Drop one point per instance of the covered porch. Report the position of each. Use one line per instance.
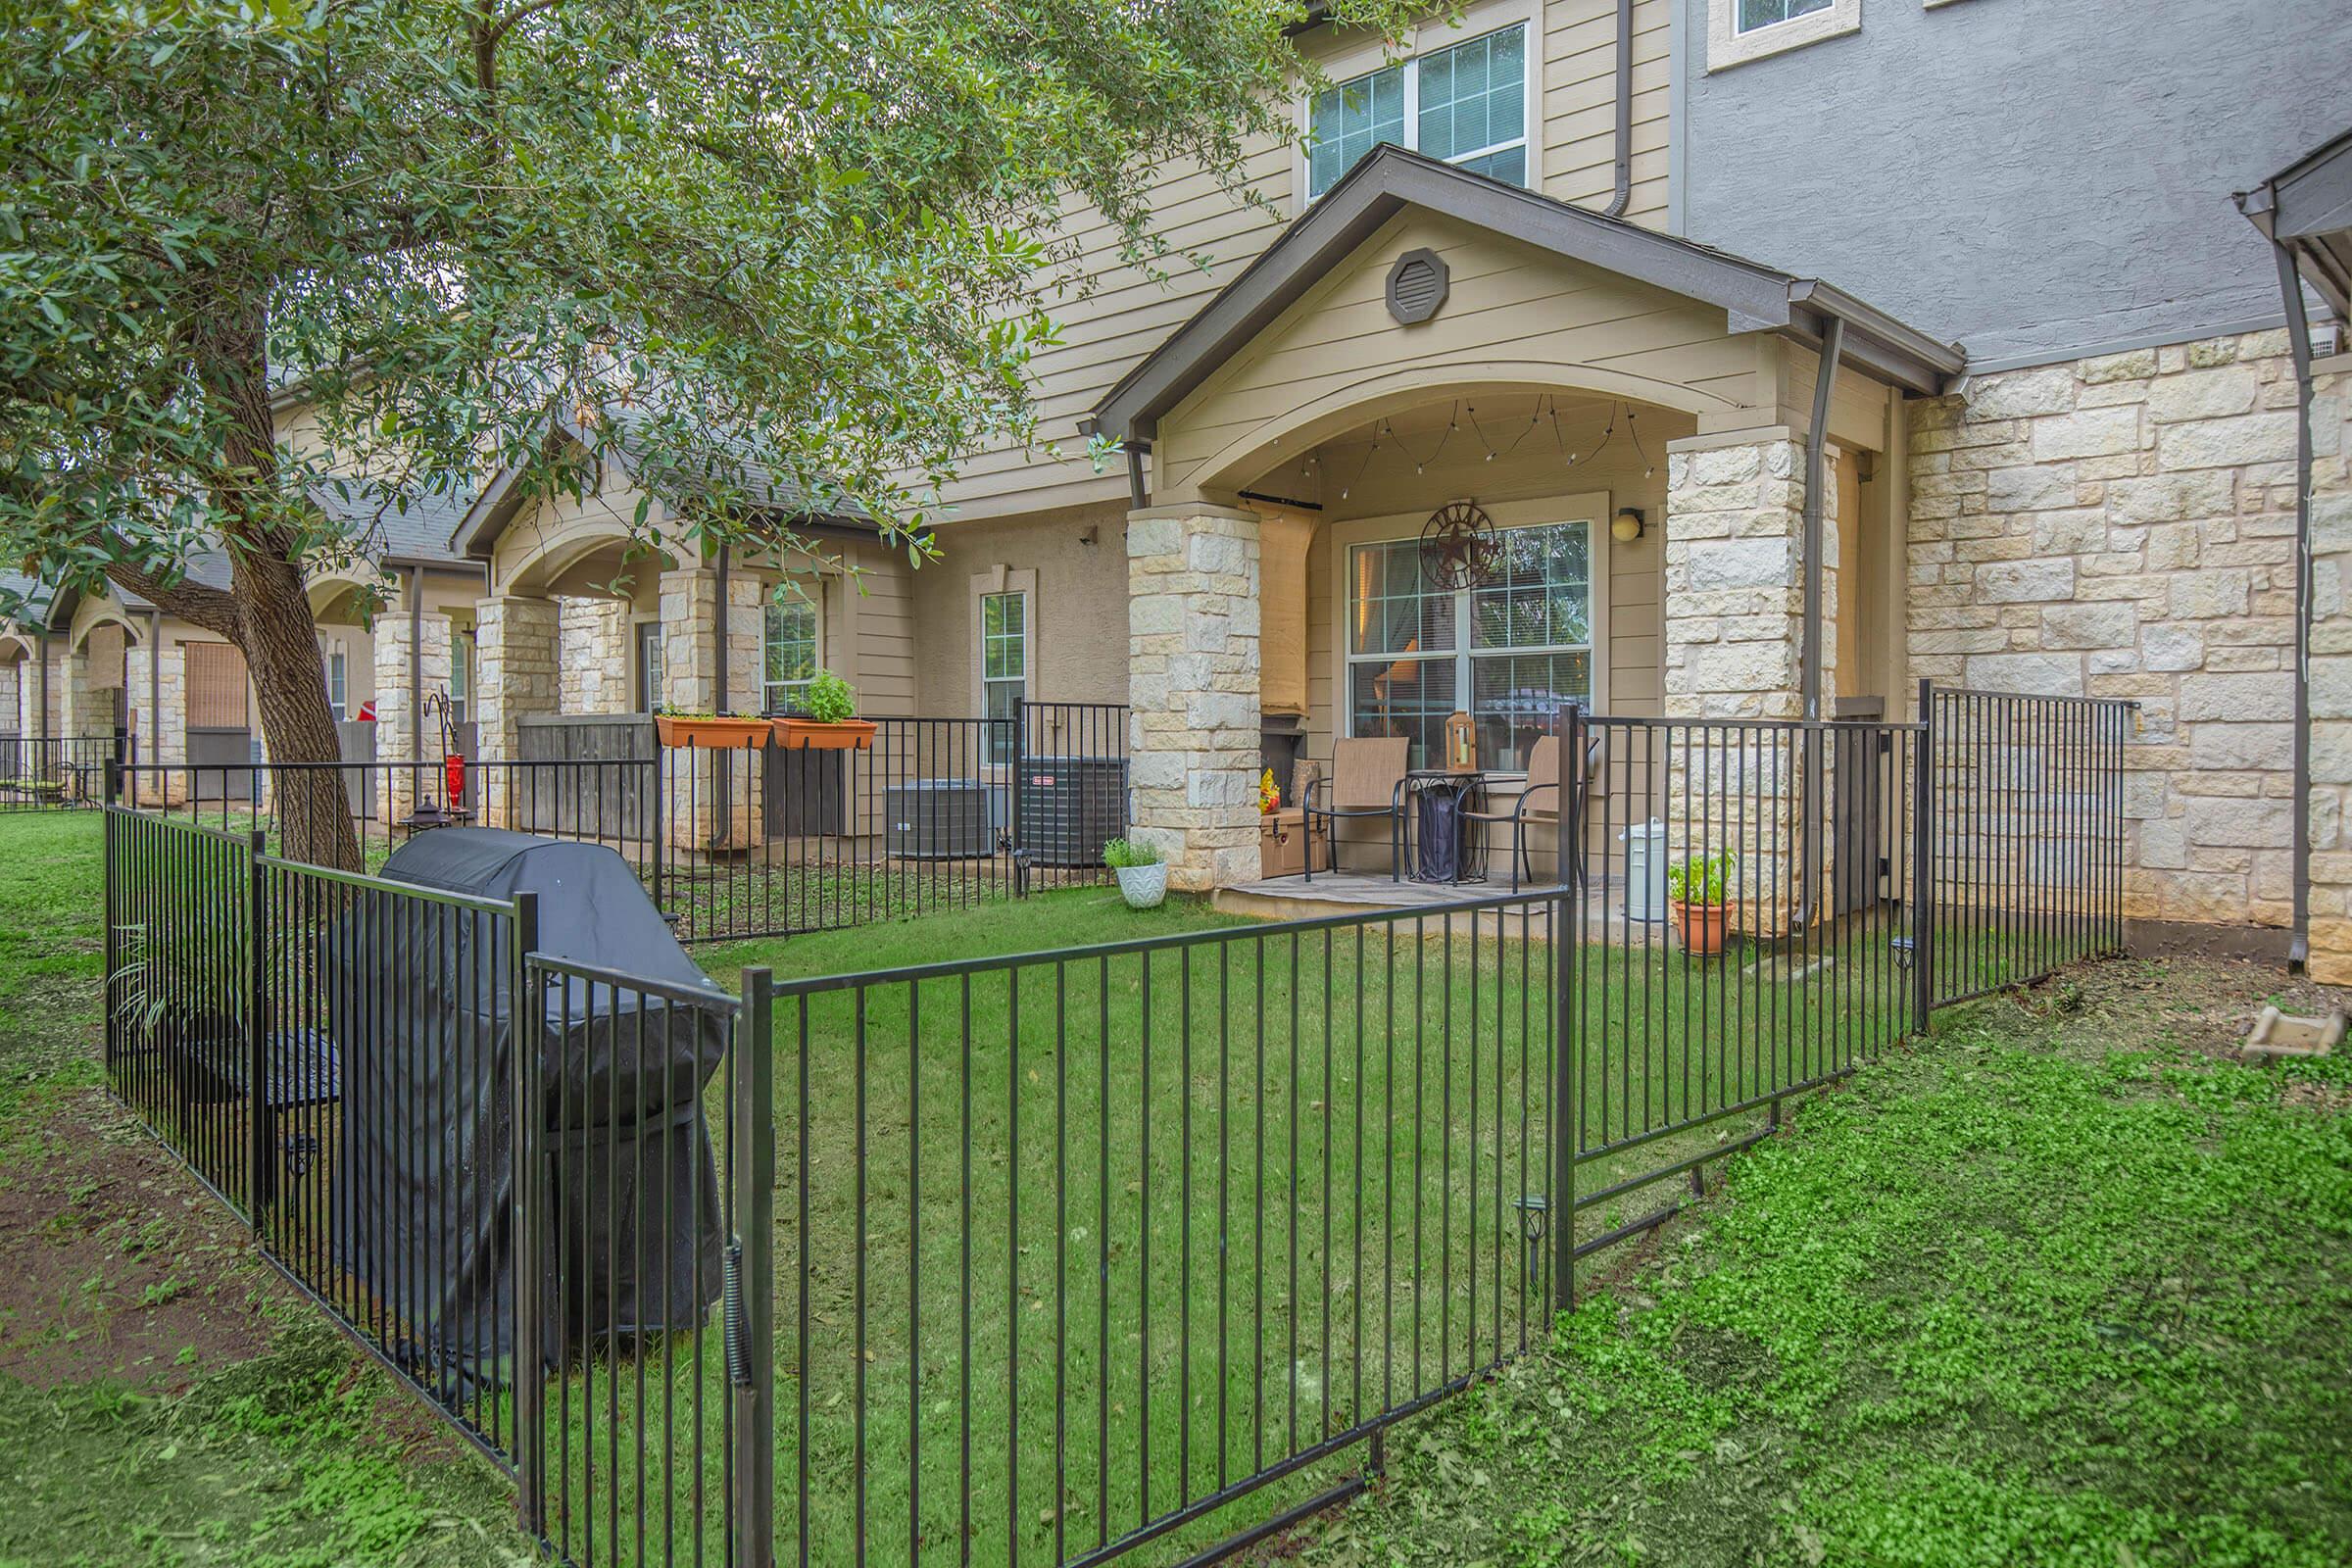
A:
(1450, 447)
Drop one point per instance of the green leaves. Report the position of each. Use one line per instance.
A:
(776, 251)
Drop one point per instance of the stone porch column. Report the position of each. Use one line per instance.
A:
(2331, 915)
(1193, 583)
(514, 676)
(594, 635)
(169, 726)
(396, 704)
(1734, 645)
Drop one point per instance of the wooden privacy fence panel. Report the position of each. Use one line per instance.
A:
(217, 686)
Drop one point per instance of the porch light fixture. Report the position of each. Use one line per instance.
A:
(1627, 525)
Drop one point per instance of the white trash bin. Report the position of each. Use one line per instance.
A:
(1644, 872)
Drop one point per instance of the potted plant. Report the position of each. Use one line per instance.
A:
(830, 722)
(1696, 896)
(1143, 875)
(714, 732)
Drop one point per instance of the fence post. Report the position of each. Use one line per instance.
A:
(1567, 927)
(530, 1242)
(752, 1067)
(659, 826)
(1923, 863)
(257, 1045)
(1020, 769)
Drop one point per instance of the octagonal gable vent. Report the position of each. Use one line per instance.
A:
(1417, 287)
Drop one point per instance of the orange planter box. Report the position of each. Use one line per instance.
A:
(711, 734)
(819, 735)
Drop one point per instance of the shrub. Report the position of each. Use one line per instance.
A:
(829, 699)
(1701, 881)
(1121, 853)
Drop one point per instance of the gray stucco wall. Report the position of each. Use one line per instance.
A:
(2034, 179)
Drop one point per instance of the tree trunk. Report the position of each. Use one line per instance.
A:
(280, 643)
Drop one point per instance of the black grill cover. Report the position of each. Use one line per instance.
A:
(421, 1006)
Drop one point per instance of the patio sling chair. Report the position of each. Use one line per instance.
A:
(1540, 802)
(1367, 780)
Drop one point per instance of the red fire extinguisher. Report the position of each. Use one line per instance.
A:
(453, 777)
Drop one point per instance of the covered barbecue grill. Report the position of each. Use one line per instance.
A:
(425, 1013)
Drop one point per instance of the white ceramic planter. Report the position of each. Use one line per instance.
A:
(1144, 887)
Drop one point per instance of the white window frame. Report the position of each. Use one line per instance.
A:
(1001, 580)
(335, 665)
(1728, 46)
(813, 600)
(460, 674)
(1432, 38)
(1592, 510)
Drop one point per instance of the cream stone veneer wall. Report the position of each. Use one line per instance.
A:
(2123, 526)
(592, 643)
(2330, 804)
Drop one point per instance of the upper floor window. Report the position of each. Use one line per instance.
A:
(1755, 13)
(1465, 103)
(1741, 30)
(791, 654)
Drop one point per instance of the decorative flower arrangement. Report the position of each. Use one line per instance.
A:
(1269, 795)
(830, 722)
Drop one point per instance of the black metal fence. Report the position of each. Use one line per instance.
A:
(2025, 830)
(1083, 1250)
(1768, 905)
(49, 772)
(936, 814)
(1049, 1258)
(334, 1056)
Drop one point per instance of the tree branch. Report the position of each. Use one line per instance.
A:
(195, 603)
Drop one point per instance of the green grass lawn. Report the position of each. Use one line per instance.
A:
(2062, 1286)
(1088, 1236)
(1140, 1226)
(164, 1398)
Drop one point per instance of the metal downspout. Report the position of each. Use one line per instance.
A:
(155, 698)
(718, 637)
(1825, 379)
(2298, 336)
(1622, 194)
(416, 665)
(1832, 349)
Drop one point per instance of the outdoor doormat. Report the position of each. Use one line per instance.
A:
(2275, 1036)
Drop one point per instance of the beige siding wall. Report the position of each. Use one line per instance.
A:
(1514, 316)
(1078, 636)
(1106, 332)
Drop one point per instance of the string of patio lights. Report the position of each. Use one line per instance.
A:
(1546, 408)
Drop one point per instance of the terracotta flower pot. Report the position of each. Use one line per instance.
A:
(1700, 926)
(825, 735)
(711, 734)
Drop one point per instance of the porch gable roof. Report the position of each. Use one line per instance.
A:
(1754, 297)
(2308, 209)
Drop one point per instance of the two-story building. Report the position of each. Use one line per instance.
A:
(1580, 264)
